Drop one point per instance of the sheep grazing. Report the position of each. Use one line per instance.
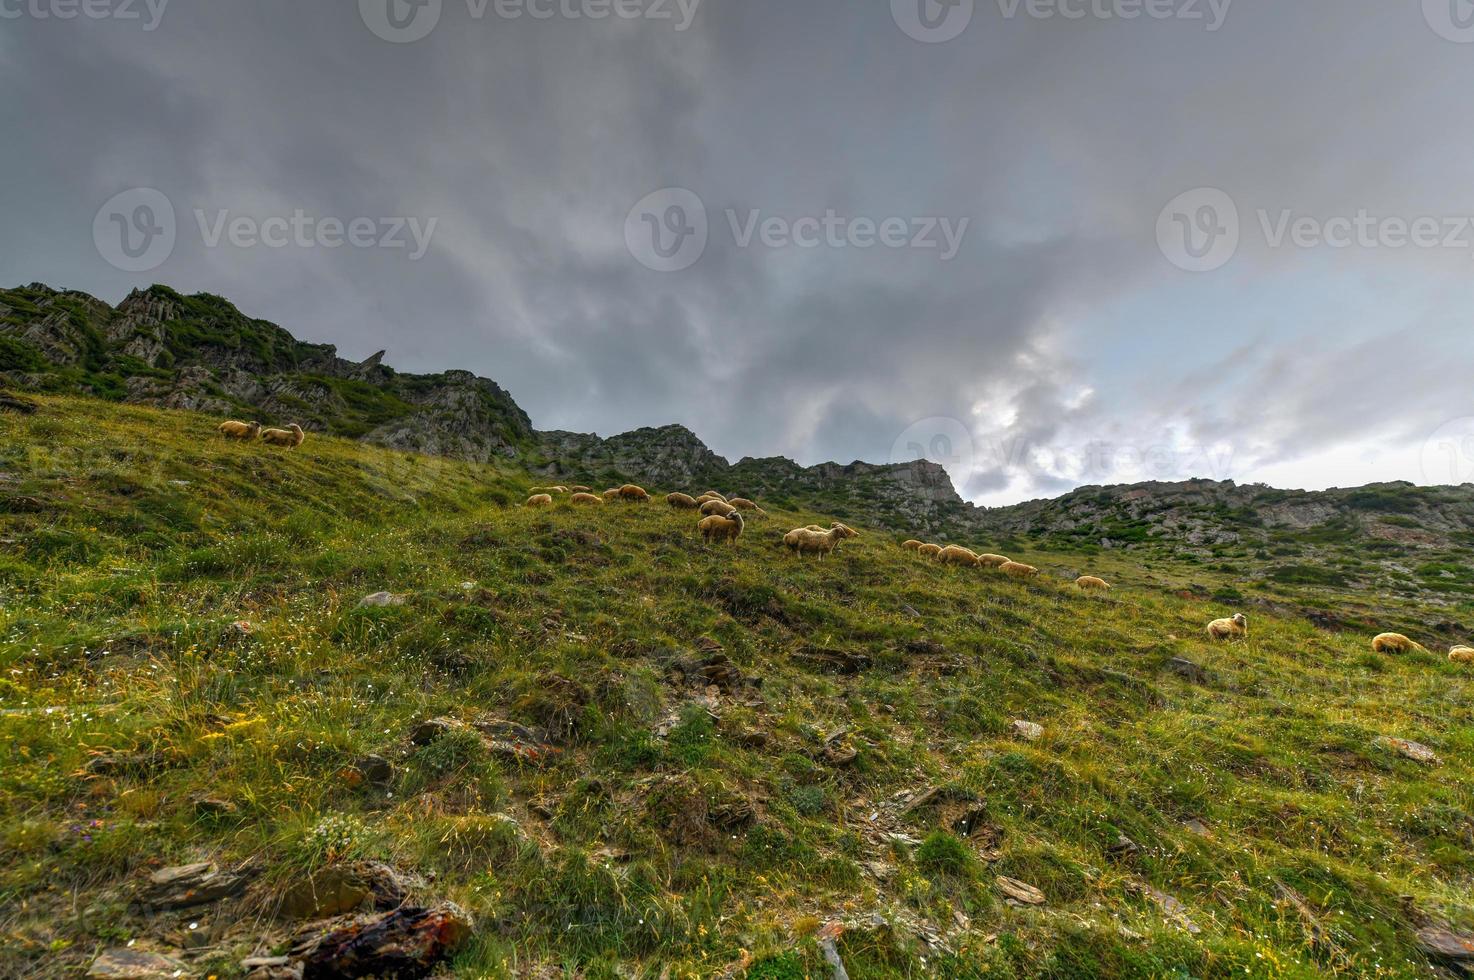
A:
(242, 431)
(291, 437)
(1228, 629)
(957, 555)
(1461, 655)
(722, 528)
(742, 503)
(539, 500)
(804, 540)
(582, 489)
(1018, 570)
(911, 545)
(716, 508)
(1091, 583)
(1395, 643)
(681, 501)
(994, 561)
(586, 498)
(718, 496)
(633, 494)
(611, 494)
(929, 550)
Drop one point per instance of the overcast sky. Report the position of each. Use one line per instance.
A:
(1048, 243)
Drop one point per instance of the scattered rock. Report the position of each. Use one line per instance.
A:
(1173, 909)
(214, 806)
(910, 610)
(1193, 673)
(133, 964)
(372, 769)
(1028, 730)
(1195, 826)
(192, 884)
(271, 968)
(1416, 751)
(1020, 891)
(518, 743)
(1123, 848)
(828, 945)
(380, 600)
(428, 731)
(1442, 943)
(124, 764)
(839, 661)
(347, 887)
(407, 942)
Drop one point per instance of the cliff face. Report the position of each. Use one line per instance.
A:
(200, 353)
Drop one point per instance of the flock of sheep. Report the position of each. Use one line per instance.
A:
(723, 520)
(291, 437)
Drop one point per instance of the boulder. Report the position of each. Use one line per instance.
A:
(405, 942)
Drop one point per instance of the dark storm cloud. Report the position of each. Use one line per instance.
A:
(1057, 327)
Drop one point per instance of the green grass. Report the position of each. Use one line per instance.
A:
(662, 837)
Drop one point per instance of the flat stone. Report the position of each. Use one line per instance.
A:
(187, 885)
(134, 964)
(1188, 670)
(1446, 944)
(1020, 891)
(1027, 730)
(1416, 751)
(379, 600)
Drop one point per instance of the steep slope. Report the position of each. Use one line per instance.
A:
(656, 758)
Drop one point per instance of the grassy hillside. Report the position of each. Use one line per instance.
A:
(186, 674)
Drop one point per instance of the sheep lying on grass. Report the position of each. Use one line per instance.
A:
(1018, 569)
(1395, 643)
(994, 561)
(681, 501)
(242, 431)
(586, 498)
(1228, 629)
(805, 540)
(911, 545)
(717, 508)
(633, 494)
(539, 500)
(721, 528)
(1461, 655)
(957, 555)
(291, 437)
(1090, 582)
(929, 550)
